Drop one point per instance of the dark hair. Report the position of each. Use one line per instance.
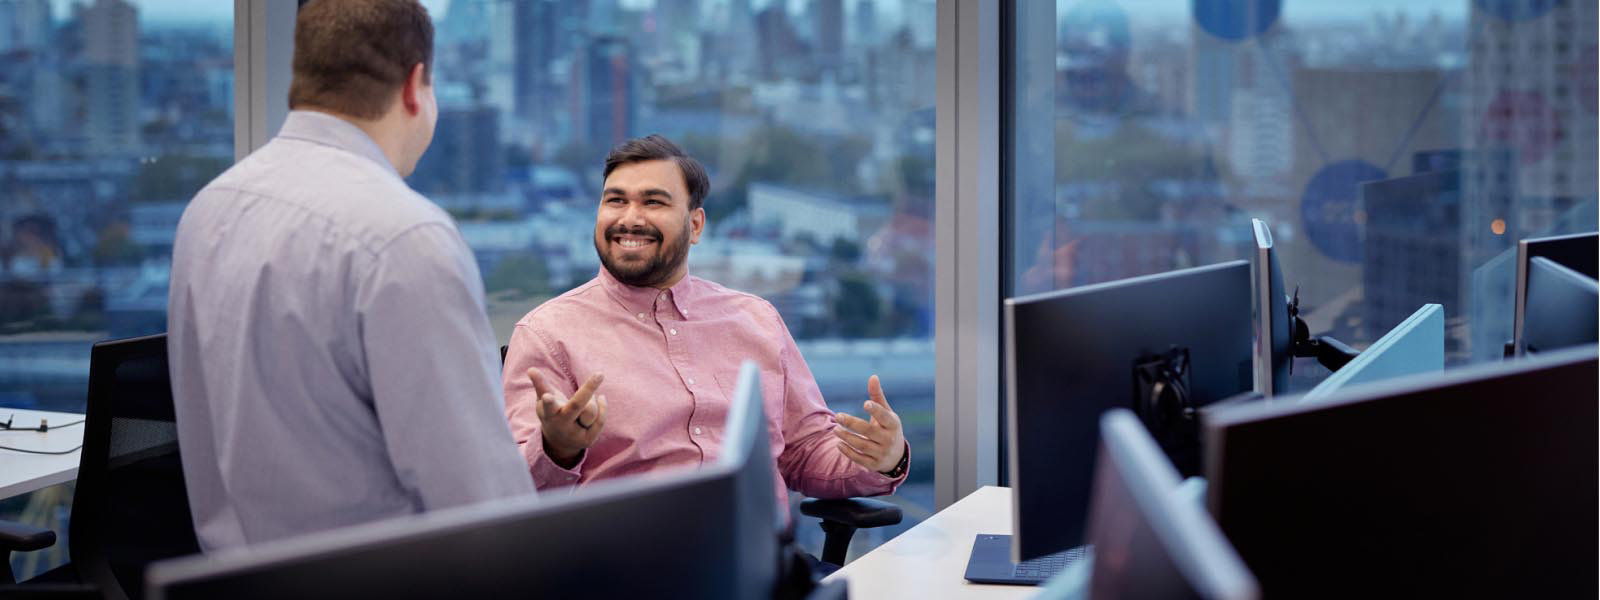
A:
(657, 147)
(351, 56)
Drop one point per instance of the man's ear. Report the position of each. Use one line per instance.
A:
(697, 223)
(411, 92)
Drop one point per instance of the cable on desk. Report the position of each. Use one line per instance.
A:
(4, 427)
(45, 452)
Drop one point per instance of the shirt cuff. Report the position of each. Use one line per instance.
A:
(546, 473)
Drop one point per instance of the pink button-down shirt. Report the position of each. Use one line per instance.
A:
(670, 358)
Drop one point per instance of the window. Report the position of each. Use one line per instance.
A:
(814, 119)
(1397, 149)
(112, 115)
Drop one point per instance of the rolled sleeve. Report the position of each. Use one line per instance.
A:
(811, 463)
(528, 350)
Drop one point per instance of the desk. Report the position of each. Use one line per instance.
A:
(927, 561)
(22, 473)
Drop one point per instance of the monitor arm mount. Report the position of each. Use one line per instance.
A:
(1332, 353)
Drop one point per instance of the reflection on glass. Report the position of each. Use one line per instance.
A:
(112, 115)
(1398, 149)
(815, 121)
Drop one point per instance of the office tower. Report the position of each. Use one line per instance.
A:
(1261, 119)
(830, 32)
(605, 91)
(1213, 63)
(466, 156)
(866, 23)
(111, 73)
(534, 40)
(1530, 89)
(24, 24)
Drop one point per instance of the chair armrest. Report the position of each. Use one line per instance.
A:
(861, 513)
(17, 537)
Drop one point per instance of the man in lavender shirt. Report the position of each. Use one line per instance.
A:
(330, 357)
(667, 347)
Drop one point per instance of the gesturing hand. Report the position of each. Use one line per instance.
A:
(568, 425)
(877, 444)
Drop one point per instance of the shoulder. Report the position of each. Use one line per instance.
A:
(758, 309)
(355, 196)
(576, 305)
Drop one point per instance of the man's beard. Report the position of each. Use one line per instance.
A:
(648, 273)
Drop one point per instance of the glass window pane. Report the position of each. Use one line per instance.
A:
(814, 119)
(1398, 149)
(112, 115)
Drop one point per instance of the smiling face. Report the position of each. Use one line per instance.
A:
(644, 226)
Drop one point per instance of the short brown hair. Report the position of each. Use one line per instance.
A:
(351, 56)
(657, 147)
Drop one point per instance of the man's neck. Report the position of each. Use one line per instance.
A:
(388, 137)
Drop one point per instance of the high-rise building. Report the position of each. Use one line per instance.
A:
(1530, 90)
(111, 75)
(466, 156)
(24, 24)
(535, 37)
(605, 91)
(830, 32)
(866, 23)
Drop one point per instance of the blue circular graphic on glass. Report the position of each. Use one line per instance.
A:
(1328, 208)
(1517, 10)
(1236, 20)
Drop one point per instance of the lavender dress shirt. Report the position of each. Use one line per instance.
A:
(331, 360)
(670, 358)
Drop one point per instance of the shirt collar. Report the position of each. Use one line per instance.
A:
(645, 299)
(328, 130)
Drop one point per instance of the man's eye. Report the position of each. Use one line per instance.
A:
(615, 200)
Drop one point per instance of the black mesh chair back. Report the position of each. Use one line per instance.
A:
(130, 507)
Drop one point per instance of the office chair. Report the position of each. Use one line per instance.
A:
(130, 507)
(840, 518)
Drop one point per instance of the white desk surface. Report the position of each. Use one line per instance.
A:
(22, 473)
(928, 561)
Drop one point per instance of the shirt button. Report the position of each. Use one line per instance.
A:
(672, 331)
(697, 431)
(691, 381)
(641, 316)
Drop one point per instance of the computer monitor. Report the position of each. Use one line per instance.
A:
(1413, 347)
(1269, 309)
(1577, 252)
(1478, 482)
(1076, 353)
(1149, 541)
(707, 533)
(1561, 307)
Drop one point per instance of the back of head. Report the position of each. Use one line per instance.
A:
(352, 56)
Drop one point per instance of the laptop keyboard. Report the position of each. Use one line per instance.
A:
(1047, 566)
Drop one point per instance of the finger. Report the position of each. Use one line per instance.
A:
(853, 423)
(883, 416)
(599, 420)
(589, 414)
(856, 456)
(580, 398)
(540, 388)
(549, 404)
(875, 391)
(856, 441)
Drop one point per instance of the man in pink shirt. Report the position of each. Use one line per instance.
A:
(667, 347)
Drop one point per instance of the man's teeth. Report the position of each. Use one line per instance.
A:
(632, 243)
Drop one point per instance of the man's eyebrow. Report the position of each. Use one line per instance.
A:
(647, 192)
